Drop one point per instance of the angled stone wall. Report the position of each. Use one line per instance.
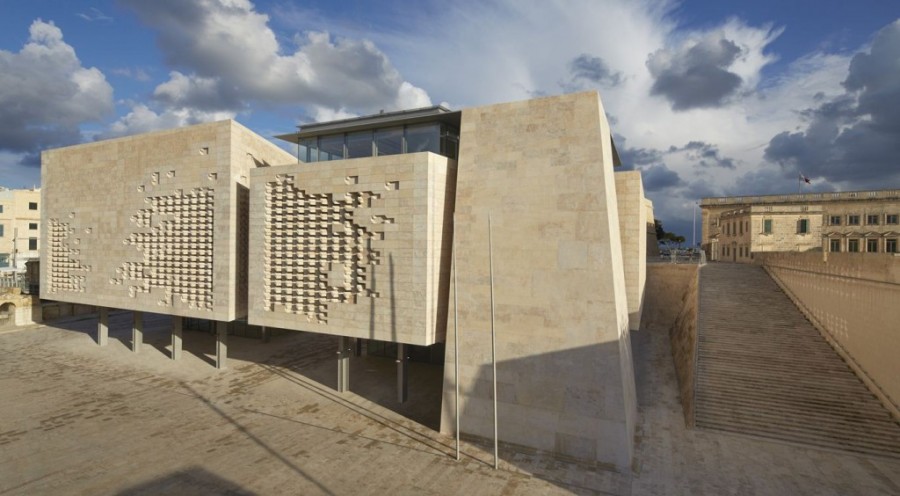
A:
(354, 248)
(543, 169)
(633, 230)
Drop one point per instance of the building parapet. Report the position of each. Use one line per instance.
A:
(802, 197)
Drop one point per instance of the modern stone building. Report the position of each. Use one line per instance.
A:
(857, 221)
(517, 203)
(156, 222)
(20, 217)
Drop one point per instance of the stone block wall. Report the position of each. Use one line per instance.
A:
(356, 248)
(150, 222)
(543, 170)
(852, 298)
(633, 231)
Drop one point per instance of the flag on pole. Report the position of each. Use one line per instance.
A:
(804, 178)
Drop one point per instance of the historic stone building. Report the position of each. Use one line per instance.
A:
(506, 220)
(857, 221)
(20, 217)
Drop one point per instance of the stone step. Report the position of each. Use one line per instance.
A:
(764, 370)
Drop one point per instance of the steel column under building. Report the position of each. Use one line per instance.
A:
(103, 326)
(137, 331)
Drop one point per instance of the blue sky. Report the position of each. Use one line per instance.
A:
(705, 97)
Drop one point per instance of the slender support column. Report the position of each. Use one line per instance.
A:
(493, 341)
(265, 334)
(103, 326)
(343, 364)
(176, 337)
(137, 331)
(221, 345)
(402, 375)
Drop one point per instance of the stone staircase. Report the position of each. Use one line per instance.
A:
(764, 370)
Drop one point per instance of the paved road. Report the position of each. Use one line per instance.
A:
(79, 419)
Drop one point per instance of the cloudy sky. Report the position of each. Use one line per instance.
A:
(705, 97)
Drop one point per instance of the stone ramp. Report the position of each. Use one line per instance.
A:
(764, 370)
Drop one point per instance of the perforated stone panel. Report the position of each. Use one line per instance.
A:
(152, 222)
(355, 247)
(175, 237)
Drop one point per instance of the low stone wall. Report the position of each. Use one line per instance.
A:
(672, 304)
(664, 293)
(852, 298)
(17, 309)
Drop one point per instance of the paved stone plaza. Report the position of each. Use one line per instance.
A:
(76, 418)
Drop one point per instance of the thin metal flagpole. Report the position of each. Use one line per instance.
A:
(493, 340)
(456, 332)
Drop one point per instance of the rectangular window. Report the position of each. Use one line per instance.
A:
(888, 219)
(389, 141)
(852, 220)
(890, 245)
(872, 245)
(331, 148)
(308, 150)
(1, 209)
(835, 220)
(1, 230)
(4, 259)
(835, 245)
(767, 226)
(872, 219)
(32, 226)
(423, 138)
(32, 205)
(741, 227)
(359, 144)
(32, 244)
(803, 226)
(853, 245)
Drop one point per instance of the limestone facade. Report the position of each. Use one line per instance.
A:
(20, 217)
(542, 171)
(213, 222)
(633, 211)
(155, 222)
(357, 247)
(733, 228)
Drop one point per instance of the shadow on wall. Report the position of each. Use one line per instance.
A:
(192, 480)
(569, 403)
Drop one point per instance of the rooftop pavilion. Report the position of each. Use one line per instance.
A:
(429, 129)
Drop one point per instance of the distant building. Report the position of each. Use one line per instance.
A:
(734, 228)
(20, 217)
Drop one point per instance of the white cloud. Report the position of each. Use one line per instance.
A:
(142, 119)
(484, 52)
(225, 56)
(46, 94)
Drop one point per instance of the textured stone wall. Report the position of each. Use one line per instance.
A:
(633, 231)
(354, 247)
(543, 169)
(852, 298)
(150, 222)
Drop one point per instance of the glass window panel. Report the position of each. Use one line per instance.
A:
(423, 138)
(309, 150)
(389, 141)
(331, 148)
(449, 142)
(359, 144)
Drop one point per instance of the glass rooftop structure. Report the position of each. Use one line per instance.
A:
(429, 129)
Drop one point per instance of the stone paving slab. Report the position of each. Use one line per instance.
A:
(76, 418)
